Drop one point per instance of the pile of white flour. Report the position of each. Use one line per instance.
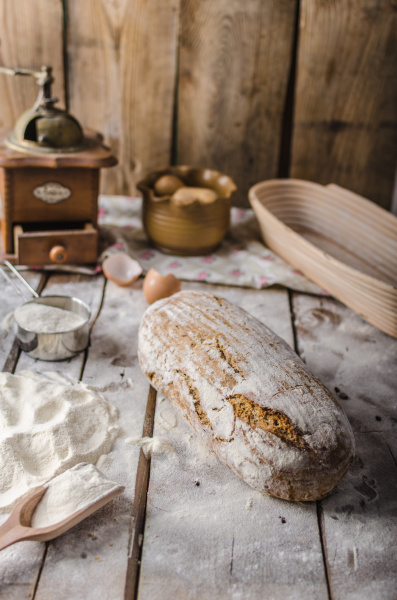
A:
(42, 318)
(73, 490)
(47, 427)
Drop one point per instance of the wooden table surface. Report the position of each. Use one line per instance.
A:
(186, 526)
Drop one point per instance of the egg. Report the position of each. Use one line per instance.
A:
(187, 195)
(121, 268)
(166, 185)
(156, 286)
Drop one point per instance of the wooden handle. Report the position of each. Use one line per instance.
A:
(58, 254)
(17, 527)
(11, 532)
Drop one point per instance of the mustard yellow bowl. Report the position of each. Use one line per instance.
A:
(187, 230)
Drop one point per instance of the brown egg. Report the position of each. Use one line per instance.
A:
(166, 185)
(156, 286)
(187, 195)
(121, 268)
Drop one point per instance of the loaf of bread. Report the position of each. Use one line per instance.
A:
(247, 394)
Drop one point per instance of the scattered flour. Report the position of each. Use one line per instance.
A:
(249, 504)
(73, 490)
(7, 322)
(46, 427)
(152, 445)
(42, 318)
(168, 418)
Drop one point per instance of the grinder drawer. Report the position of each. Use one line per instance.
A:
(65, 246)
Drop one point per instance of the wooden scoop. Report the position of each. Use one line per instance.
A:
(17, 527)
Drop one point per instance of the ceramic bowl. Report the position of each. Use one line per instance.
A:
(190, 230)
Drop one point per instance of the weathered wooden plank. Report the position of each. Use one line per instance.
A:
(15, 351)
(9, 300)
(208, 534)
(140, 501)
(360, 525)
(30, 36)
(346, 94)
(20, 565)
(358, 363)
(234, 67)
(121, 72)
(90, 561)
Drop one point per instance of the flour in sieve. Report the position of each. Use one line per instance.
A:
(73, 490)
(47, 427)
(42, 318)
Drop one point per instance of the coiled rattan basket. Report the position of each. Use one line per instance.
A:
(341, 241)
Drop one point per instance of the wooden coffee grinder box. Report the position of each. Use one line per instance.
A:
(49, 183)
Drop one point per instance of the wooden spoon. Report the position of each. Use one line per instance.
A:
(17, 527)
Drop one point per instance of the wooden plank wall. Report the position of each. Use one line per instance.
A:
(121, 61)
(257, 89)
(235, 59)
(346, 96)
(30, 36)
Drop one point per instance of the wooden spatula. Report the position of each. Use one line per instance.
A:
(17, 527)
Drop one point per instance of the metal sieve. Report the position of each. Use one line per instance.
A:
(50, 346)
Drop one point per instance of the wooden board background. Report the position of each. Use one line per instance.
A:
(219, 539)
(346, 96)
(255, 89)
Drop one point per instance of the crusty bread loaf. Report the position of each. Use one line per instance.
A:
(248, 395)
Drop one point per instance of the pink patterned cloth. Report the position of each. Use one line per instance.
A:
(242, 259)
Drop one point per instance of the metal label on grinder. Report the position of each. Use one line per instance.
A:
(52, 192)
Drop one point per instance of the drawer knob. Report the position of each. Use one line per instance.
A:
(58, 254)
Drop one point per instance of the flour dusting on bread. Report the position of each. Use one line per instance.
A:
(247, 394)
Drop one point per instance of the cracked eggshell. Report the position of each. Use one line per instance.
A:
(156, 286)
(121, 269)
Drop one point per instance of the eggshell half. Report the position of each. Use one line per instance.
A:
(156, 286)
(121, 268)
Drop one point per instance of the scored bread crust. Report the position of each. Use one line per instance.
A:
(247, 394)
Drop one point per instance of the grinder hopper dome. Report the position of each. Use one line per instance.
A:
(44, 128)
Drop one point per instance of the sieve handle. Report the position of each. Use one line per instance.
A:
(22, 279)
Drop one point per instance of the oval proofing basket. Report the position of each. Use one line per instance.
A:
(341, 241)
